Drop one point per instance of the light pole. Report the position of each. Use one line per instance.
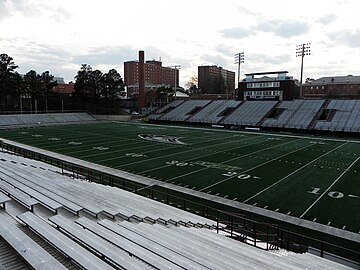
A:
(301, 51)
(176, 68)
(239, 59)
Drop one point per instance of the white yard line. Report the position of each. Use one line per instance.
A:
(325, 192)
(257, 166)
(302, 167)
(186, 151)
(195, 158)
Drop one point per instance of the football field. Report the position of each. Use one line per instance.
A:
(313, 178)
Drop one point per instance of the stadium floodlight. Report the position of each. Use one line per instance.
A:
(175, 67)
(301, 51)
(239, 59)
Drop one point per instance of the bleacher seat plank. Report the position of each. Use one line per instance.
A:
(74, 251)
(42, 199)
(29, 250)
(155, 246)
(121, 259)
(18, 195)
(152, 258)
(4, 198)
(32, 180)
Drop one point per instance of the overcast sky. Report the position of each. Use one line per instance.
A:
(60, 35)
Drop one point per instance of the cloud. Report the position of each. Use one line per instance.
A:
(327, 19)
(106, 55)
(235, 32)
(214, 60)
(226, 50)
(265, 59)
(26, 8)
(284, 28)
(349, 38)
(33, 9)
(4, 12)
(61, 15)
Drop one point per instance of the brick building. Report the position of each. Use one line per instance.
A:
(333, 87)
(216, 80)
(155, 74)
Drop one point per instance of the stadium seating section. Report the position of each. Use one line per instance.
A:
(302, 114)
(44, 119)
(64, 230)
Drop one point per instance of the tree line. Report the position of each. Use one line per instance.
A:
(35, 91)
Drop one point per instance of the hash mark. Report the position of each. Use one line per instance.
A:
(329, 223)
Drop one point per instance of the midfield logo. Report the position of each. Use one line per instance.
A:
(160, 138)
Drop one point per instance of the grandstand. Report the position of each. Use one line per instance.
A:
(44, 119)
(94, 227)
(307, 115)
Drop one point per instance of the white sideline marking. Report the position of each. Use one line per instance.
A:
(252, 133)
(325, 192)
(282, 179)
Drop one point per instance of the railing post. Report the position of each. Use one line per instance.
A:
(288, 241)
(254, 234)
(267, 236)
(322, 249)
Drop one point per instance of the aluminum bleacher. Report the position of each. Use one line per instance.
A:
(18, 195)
(101, 242)
(73, 251)
(250, 113)
(44, 119)
(41, 184)
(143, 250)
(3, 199)
(212, 112)
(158, 113)
(345, 116)
(184, 110)
(31, 252)
(117, 257)
(295, 114)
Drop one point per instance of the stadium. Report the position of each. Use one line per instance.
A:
(198, 184)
